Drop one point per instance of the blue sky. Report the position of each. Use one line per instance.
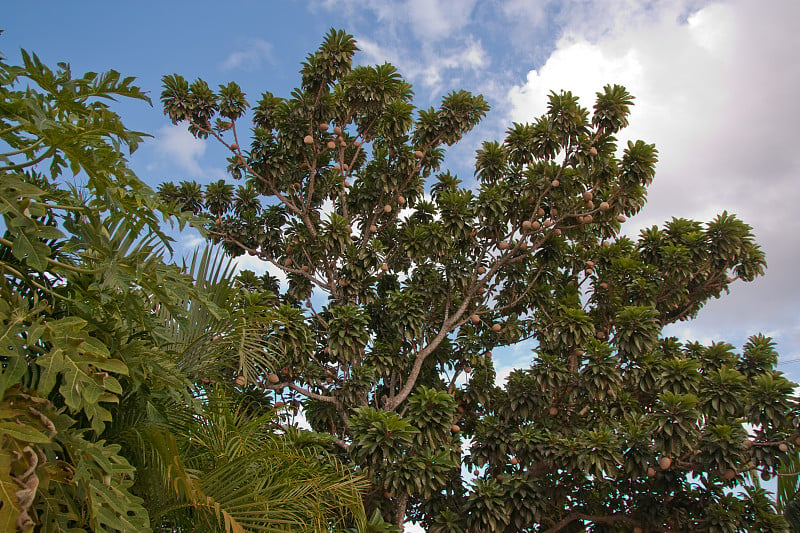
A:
(716, 83)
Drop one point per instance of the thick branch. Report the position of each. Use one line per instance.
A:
(597, 519)
(393, 402)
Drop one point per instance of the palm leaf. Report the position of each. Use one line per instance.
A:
(788, 481)
(213, 336)
(264, 481)
(227, 469)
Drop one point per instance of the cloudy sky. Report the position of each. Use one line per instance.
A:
(717, 87)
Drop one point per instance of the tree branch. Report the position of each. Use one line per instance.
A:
(305, 392)
(597, 519)
(392, 402)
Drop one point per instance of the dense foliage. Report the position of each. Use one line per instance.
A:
(137, 395)
(118, 407)
(401, 281)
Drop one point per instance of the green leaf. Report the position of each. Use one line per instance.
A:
(30, 249)
(23, 433)
(81, 363)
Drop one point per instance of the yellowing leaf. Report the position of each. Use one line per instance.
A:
(8, 488)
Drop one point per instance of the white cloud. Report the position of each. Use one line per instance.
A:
(532, 14)
(250, 56)
(713, 29)
(716, 91)
(298, 418)
(375, 53)
(428, 65)
(531, 27)
(580, 67)
(508, 359)
(175, 143)
(688, 332)
(190, 239)
(712, 93)
(436, 19)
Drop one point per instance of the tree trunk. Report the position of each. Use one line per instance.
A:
(400, 511)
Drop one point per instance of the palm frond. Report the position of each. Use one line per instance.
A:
(214, 335)
(788, 484)
(282, 486)
(227, 468)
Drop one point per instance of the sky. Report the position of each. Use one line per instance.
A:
(717, 87)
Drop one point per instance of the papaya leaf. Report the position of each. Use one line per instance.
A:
(30, 249)
(84, 364)
(10, 509)
(23, 432)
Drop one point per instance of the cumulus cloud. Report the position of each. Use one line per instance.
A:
(715, 87)
(579, 67)
(250, 56)
(712, 92)
(471, 56)
(175, 144)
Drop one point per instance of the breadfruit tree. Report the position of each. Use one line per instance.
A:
(401, 281)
